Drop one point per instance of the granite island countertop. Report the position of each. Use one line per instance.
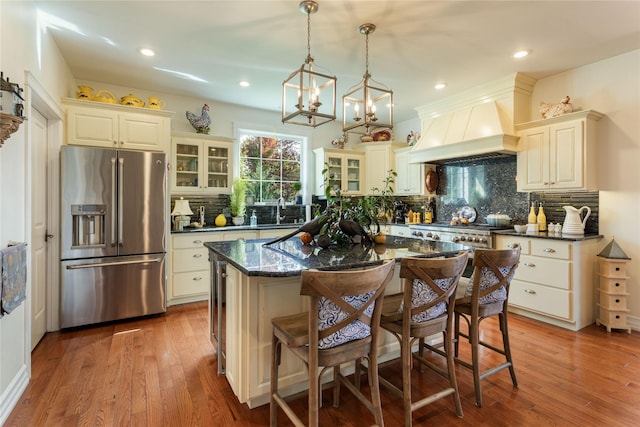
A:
(290, 257)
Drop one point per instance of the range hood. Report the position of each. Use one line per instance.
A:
(478, 124)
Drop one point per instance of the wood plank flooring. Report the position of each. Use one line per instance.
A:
(161, 371)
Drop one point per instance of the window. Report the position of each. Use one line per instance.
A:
(271, 165)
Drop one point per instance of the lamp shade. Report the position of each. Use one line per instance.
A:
(181, 207)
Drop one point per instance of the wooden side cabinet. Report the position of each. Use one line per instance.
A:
(612, 306)
(554, 282)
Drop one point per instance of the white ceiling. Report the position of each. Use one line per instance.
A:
(416, 44)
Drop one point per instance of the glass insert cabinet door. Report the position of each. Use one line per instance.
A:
(200, 165)
(335, 172)
(353, 175)
(186, 165)
(217, 167)
(345, 173)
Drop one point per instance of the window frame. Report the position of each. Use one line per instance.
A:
(244, 129)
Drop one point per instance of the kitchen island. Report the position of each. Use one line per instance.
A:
(262, 282)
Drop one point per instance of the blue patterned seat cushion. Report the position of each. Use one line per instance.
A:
(423, 294)
(487, 279)
(329, 314)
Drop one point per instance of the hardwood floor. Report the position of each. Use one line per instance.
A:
(161, 371)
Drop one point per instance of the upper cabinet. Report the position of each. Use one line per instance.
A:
(345, 170)
(105, 125)
(379, 158)
(558, 154)
(200, 163)
(409, 180)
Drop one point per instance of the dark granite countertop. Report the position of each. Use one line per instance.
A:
(290, 257)
(209, 228)
(547, 235)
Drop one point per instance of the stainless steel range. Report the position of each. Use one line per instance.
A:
(476, 235)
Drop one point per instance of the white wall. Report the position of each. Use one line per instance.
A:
(18, 53)
(611, 87)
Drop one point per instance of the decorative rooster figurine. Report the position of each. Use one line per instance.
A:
(200, 123)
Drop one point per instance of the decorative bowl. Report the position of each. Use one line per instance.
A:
(520, 228)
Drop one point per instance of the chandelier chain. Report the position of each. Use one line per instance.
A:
(366, 50)
(308, 34)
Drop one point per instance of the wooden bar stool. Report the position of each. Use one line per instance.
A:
(424, 308)
(342, 325)
(486, 296)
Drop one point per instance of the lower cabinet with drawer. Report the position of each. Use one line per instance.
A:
(555, 281)
(190, 270)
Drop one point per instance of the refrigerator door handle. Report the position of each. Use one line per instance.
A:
(113, 201)
(110, 264)
(120, 207)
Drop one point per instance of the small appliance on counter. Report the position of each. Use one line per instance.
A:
(399, 212)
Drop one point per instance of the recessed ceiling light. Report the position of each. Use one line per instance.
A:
(146, 51)
(440, 86)
(521, 54)
(244, 83)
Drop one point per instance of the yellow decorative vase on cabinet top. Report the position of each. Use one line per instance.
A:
(221, 221)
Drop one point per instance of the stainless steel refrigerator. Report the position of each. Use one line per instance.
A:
(113, 234)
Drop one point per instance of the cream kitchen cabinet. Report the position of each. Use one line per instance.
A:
(380, 158)
(555, 280)
(116, 126)
(558, 154)
(410, 178)
(200, 163)
(190, 270)
(346, 170)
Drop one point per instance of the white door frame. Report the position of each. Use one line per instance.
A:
(37, 97)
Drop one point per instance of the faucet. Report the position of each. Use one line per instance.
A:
(279, 203)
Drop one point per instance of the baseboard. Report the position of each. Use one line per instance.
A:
(634, 322)
(12, 394)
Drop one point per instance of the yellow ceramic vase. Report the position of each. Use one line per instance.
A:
(221, 221)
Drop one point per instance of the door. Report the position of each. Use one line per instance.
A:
(88, 202)
(39, 215)
(141, 202)
(105, 289)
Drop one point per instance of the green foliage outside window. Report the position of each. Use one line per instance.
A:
(270, 166)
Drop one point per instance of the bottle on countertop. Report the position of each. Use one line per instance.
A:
(542, 219)
(254, 219)
(432, 208)
(532, 215)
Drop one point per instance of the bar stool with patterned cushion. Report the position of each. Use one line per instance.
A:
(341, 326)
(487, 296)
(429, 289)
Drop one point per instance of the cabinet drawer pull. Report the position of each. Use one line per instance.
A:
(529, 264)
(513, 245)
(530, 291)
(550, 250)
(197, 242)
(197, 278)
(197, 255)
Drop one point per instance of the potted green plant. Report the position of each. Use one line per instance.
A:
(238, 201)
(297, 187)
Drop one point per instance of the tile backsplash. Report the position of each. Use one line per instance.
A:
(488, 185)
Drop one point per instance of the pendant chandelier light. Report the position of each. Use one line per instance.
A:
(367, 106)
(308, 96)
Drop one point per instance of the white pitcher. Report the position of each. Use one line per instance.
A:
(572, 222)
